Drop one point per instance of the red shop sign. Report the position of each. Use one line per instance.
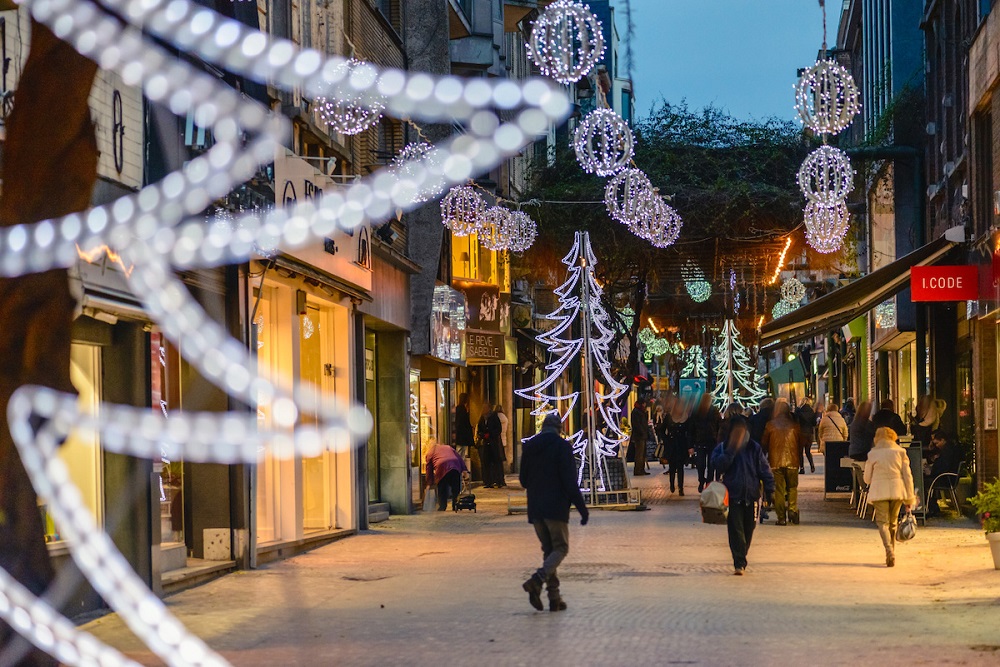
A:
(944, 283)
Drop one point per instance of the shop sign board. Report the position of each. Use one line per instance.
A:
(344, 254)
(944, 283)
(484, 346)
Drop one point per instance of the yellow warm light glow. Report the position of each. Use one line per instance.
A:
(91, 257)
(652, 326)
(781, 261)
(760, 322)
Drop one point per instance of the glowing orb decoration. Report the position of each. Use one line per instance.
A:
(659, 224)
(646, 336)
(793, 291)
(659, 346)
(885, 315)
(491, 229)
(699, 290)
(826, 98)
(626, 194)
(782, 308)
(342, 108)
(603, 143)
(826, 176)
(628, 317)
(463, 211)
(520, 232)
(419, 166)
(567, 41)
(826, 226)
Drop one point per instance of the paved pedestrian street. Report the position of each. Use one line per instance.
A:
(643, 588)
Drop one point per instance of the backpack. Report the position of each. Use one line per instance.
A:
(715, 503)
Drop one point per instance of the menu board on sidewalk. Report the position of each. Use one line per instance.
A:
(837, 479)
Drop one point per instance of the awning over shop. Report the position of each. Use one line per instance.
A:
(790, 371)
(843, 305)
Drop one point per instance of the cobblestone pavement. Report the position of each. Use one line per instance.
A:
(644, 588)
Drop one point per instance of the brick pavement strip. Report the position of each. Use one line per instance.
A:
(644, 588)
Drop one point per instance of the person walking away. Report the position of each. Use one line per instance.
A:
(781, 442)
(848, 411)
(806, 417)
(947, 459)
(445, 468)
(886, 417)
(465, 438)
(703, 434)
(744, 469)
(491, 450)
(639, 437)
(508, 447)
(548, 474)
(831, 426)
(759, 421)
(679, 451)
(890, 486)
(924, 420)
(660, 419)
(861, 433)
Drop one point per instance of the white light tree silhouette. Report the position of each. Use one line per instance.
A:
(734, 373)
(694, 363)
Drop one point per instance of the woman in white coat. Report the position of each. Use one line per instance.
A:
(890, 486)
(831, 426)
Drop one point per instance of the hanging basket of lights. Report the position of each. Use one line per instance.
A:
(418, 166)
(463, 210)
(793, 291)
(343, 114)
(694, 282)
(626, 194)
(567, 41)
(826, 176)
(826, 226)
(826, 98)
(659, 223)
(603, 143)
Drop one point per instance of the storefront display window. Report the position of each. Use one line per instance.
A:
(268, 468)
(82, 450)
(448, 320)
(315, 470)
(165, 399)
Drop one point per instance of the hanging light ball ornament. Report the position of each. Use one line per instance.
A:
(493, 228)
(646, 336)
(625, 195)
(567, 41)
(603, 143)
(827, 98)
(700, 290)
(420, 165)
(782, 308)
(826, 226)
(463, 210)
(793, 291)
(826, 176)
(659, 346)
(659, 224)
(351, 116)
(520, 232)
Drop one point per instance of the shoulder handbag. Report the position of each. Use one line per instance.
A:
(907, 528)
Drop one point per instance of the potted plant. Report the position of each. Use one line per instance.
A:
(987, 504)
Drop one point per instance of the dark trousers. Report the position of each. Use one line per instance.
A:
(807, 454)
(450, 484)
(741, 523)
(493, 466)
(554, 537)
(677, 473)
(703, 461)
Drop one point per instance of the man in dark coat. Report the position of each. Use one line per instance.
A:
(639, 436)
(744, 468)
(548, 474)
(947, 458)
(703, 435)
(492, 451)
(465, 437)
(887, 417)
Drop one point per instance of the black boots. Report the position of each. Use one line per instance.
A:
(533, 586)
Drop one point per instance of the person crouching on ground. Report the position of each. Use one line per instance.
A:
(446, 469)
(890, 486)
(548, 474)
(744, 468)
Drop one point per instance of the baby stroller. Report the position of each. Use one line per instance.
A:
(466, 499)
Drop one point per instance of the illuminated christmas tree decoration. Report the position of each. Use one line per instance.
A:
(694, 363)
(463, 211)
(885, 315)
(782, 308)
(826, 176)
(826, 98)
(417, 164)
(734, 372)
(567, 41)
(793, 291)
(603, 143)
(826, 226)
(626, 196)
(659, 223)
(350, 116)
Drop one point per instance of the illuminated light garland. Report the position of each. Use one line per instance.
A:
(781, 261)
(347, 116)
(793, 291)
(565, 349)
(885, 315)
(414, 174)
(694, 363)
(826, 226)
(626, 196)
(567, 41)
(733, 371)
(782, 308)
(659, 224)
(826, 176)
(826, 98)
(646, 336)
(463, 211)
(697, 287)
(603, 143)
(659, 346)
(628, 317)
(159, 230)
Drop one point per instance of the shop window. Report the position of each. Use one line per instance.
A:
(268, 343)
(316, 472)
(165, 400)
(81, 453)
